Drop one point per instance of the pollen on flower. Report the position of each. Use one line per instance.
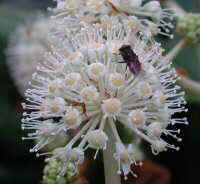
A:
(137, 117)
(111, 107)
(144, 90)
(57, 105)
(72, 79)
(134, 24)
(116, 80)
(96, 70)
(97, 6)
(124, 157)
(89, 93)
(76, 155)
(97, 139)
(75, 58)
(55, 86)
(72, 117)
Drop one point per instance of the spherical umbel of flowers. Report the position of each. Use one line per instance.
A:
(100, 91)
(149, 17)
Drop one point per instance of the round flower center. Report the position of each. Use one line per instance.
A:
(72, 117)
(96, 70)
(144, 90)
(57, 105)
(154, 130)
(89, 93)
(74, 155)
(124, 158)
(58, 66)
(97, 139)
(116, 80)
(75, 57)
(54, 86)
(134, 24)
(72, 79)
(71, 120)
(137, 117)
(55, 108)
(43, 107)
(111, 107)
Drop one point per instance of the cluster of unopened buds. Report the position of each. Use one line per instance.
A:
(103, 77)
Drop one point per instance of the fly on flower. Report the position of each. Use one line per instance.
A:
(130, 58)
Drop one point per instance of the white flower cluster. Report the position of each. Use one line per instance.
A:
(26, 49)
(148, 18)
(83, 87)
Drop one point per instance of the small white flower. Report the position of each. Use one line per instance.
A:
(124, 159)
(116, 80)
(55, 87)
(130, 5)
(75, 58)
(137, 118)
(89, 93)
(154, 130)
(144, 90)
(111, 107)
(96, 70)
(97, 139)
(71, 118)
(154, 7)
(67, 155)
(98, 6)
(72, 80)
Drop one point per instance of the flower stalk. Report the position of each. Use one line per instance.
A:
(187, 84)
(174, 52)
(110, 164)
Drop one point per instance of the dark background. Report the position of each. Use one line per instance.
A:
(19, 166)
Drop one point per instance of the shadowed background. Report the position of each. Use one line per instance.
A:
(19, 166)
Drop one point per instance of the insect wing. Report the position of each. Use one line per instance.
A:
(134, 67)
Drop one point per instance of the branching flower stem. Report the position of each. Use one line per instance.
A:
(174, 52)
(186, 83)
(189, 85)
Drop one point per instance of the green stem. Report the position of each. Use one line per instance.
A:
(189, 85)
(186, 83)
(110, 164)
(174, 52)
